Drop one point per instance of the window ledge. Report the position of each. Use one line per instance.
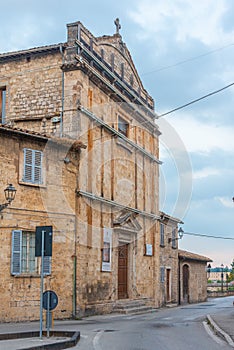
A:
(124, 144)
(28, 275)
(21, 182)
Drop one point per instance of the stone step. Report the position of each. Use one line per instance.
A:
(132, 304)
(135, 306)
(171, 305)
(135, 310)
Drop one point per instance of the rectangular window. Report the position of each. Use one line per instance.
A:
(2, 105)
(32, 166)
(162, 274)
(173, 238)
(23, 260)
(123, 126)
(162, 243)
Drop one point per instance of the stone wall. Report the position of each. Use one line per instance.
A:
(33, 89)
(197, 285)
(53, 203)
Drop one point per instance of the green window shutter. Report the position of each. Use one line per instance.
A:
(16, 252)
(47, 265)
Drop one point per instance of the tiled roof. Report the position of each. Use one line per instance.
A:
(9, 55)
(75, 144)
(183, 254)
(15, 129)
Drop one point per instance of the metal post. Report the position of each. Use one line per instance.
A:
(222, 281)
(48, 314)
(42, 282)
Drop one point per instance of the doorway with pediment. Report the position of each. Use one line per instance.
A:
(126, 230)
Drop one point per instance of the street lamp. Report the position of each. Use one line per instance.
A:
(222, 278)
(10, 193)
(226, 269)
(208, 271)
(180, 234)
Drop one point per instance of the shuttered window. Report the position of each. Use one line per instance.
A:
(32, 166)
(162, 274)
(162, 243)
(2, 105)
(23, 260)
(173, 238)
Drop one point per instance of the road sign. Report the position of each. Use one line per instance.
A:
(50, 300)
(48, 236)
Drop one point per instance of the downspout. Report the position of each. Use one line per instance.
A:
(179, 283)
(62, 107)
(74, 292)
(74, 286)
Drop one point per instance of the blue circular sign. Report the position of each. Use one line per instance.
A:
(50, 300)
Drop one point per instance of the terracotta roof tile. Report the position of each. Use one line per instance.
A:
(192, 256)
(75, 144)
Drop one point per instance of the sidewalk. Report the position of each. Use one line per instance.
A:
(14, 336)
(223, 325)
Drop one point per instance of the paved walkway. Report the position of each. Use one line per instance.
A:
(223, 325)
(66, 334)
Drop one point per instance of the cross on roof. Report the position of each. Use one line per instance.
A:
(118, 26)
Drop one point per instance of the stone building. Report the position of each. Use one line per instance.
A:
(192, 277)
(102, 202)
(168, 259)
(29, 160)
(88, 89)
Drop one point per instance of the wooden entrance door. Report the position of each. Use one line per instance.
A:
(186, 284)
(168, 285)
(123, 272)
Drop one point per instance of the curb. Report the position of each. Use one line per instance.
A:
(63, 344)
(219, 331)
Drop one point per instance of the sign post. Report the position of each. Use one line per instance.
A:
(43, 247)
(42, 281)
(50, 301)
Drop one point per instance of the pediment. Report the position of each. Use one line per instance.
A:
(128, 221)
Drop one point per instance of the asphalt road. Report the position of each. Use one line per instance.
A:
(177, 328)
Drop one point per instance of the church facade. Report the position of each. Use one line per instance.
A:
(86, 94)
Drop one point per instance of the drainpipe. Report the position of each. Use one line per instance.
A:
(62, 107)
(74, 286)
(179, 283)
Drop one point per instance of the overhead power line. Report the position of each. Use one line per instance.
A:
(194, 101)
(208, 236)
(188, 60)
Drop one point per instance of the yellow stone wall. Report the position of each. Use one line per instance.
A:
(31, 208)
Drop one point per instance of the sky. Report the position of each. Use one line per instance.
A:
(183, 50)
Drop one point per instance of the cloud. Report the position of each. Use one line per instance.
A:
(205, 172)
(202, 136)
(225, 201)
(185, 20)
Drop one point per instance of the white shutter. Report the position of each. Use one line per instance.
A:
(37, 167)
(32, 166)
(47, 265)
(16, 252)
(28, 165)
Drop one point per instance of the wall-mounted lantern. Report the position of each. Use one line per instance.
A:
(10, 193)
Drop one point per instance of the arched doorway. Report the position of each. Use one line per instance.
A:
(185, 273)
